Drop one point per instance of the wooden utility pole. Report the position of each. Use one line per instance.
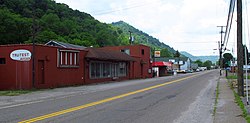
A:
(220, 49)
(240, 49)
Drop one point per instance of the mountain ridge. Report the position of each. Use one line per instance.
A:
(211, 58)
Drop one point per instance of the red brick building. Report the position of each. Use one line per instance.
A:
(142, 66)
(65, 65)
(54, 67)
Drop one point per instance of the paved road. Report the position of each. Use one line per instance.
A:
(185, 98)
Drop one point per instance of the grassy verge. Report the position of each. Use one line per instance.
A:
(240, 104)
(235, 77)
(15, 92)
(217, 97)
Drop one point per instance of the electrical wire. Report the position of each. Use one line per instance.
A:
(195, 42)
(229, 23)
(137, 5)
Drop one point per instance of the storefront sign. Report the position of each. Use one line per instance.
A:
(157, 54)
(20, 55)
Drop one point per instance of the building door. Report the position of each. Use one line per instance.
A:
(40, 73)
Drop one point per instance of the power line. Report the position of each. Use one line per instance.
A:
(137, 5)
(229, 22)
(193, 42)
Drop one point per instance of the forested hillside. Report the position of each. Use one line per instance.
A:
(141, 37)
(52, 21)
(46, 20)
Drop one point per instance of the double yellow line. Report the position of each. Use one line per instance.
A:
(43, 117)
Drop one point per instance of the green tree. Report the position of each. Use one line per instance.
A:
(199, 62)
(177, 54)
(227, 57)
(207, 64)
(50, 22)
(14, 29)
(166, 53)
(45, 36)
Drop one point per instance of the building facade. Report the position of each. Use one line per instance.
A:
(142, 66)
(57, 66)
(53, 67)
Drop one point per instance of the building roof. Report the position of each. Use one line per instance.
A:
(64, 45)
(127, 46)
(104, 54)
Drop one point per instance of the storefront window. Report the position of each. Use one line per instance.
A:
(68, 58)
(107, 69)
(122, 69)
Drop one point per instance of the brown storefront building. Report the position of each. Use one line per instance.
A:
(59, 64)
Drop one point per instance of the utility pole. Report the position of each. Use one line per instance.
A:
(239, 49)
(220, 49)
(33, 45)
(130, 37)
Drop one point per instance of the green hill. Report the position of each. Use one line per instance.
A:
(141, 37)
(47, 20)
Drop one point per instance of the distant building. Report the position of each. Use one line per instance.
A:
(182, 63)
(162, 68)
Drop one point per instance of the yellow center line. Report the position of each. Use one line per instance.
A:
(43, 117)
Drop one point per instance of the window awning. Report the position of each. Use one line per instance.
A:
(162, 64)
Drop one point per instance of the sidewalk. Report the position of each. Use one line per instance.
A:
(227, 110)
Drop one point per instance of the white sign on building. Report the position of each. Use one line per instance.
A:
(20, 55)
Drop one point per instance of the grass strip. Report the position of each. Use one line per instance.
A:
(15, 92)
(217, 97)
(235, 77)
(240, 104)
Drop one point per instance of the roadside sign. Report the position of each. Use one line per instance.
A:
(157, 53)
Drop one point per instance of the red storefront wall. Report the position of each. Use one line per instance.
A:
(15, 74)
(141, 66)
(18, 74)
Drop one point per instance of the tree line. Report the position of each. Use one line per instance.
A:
(47, 20)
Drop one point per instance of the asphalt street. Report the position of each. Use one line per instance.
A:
(183, 98)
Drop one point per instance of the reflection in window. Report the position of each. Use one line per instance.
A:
(107, 69)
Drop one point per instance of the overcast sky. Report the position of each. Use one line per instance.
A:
(185, 25)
